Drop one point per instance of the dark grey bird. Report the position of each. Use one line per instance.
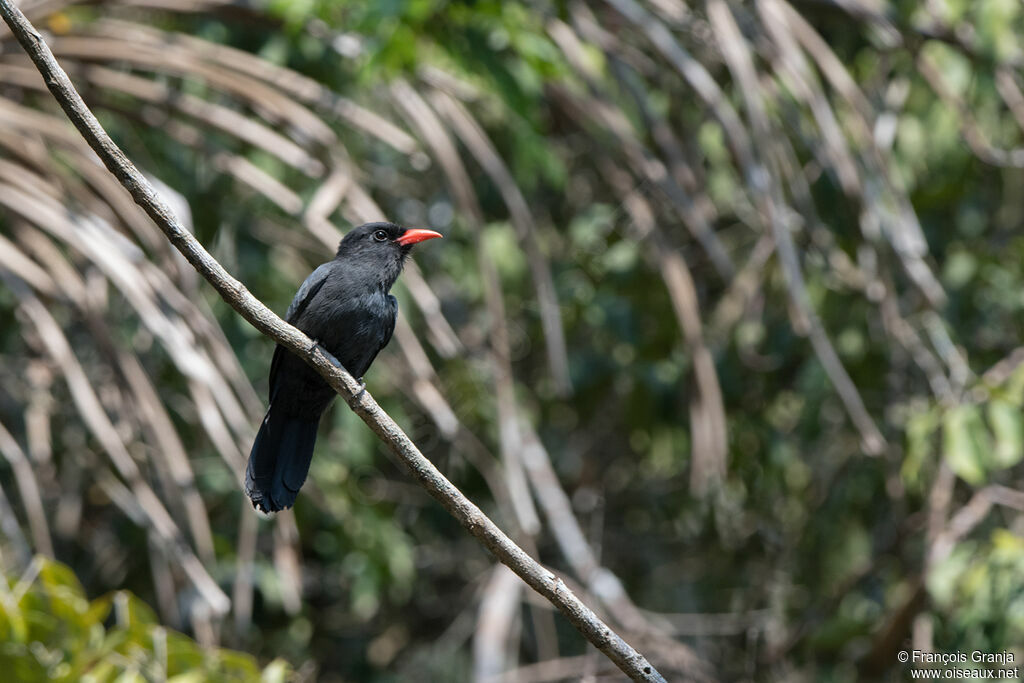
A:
(344, 306)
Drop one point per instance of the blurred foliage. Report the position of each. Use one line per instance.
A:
(52, 631)
(884, 139)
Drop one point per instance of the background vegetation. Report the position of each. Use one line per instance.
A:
(724, 329)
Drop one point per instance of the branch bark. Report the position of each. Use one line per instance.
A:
(631, 662)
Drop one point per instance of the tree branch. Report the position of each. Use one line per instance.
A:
(263, 319)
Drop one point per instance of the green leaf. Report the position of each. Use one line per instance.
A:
(276, 672)
(960, 446)
(1008, 429)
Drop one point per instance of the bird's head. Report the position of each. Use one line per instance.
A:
(382, 247)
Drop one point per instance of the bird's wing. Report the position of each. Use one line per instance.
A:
(390, 329)
(306, 293)
(386, 330)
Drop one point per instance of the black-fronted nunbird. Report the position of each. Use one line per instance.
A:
(346, 308)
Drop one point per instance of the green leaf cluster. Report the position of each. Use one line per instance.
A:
(50, 630)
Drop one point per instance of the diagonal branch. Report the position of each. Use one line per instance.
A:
(263, 319)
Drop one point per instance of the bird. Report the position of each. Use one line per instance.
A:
(346, 307)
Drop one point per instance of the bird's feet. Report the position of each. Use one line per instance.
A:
(316, 346)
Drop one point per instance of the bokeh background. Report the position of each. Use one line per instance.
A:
(724, 329)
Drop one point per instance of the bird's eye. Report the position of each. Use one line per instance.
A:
(380, 236)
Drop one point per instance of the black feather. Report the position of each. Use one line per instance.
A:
(344, 305)
(279, 461)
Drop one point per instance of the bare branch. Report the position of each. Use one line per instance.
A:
(263, 319)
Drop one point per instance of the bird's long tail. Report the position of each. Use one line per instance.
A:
(279, 460)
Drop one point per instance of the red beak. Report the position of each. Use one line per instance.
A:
(414, 235)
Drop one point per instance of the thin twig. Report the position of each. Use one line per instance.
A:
(25, 477)
(263, 319)
(499, 610)
(21, 552)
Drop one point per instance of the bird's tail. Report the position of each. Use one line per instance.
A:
(279, 460)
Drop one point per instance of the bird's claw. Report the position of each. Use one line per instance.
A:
(362, 390)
